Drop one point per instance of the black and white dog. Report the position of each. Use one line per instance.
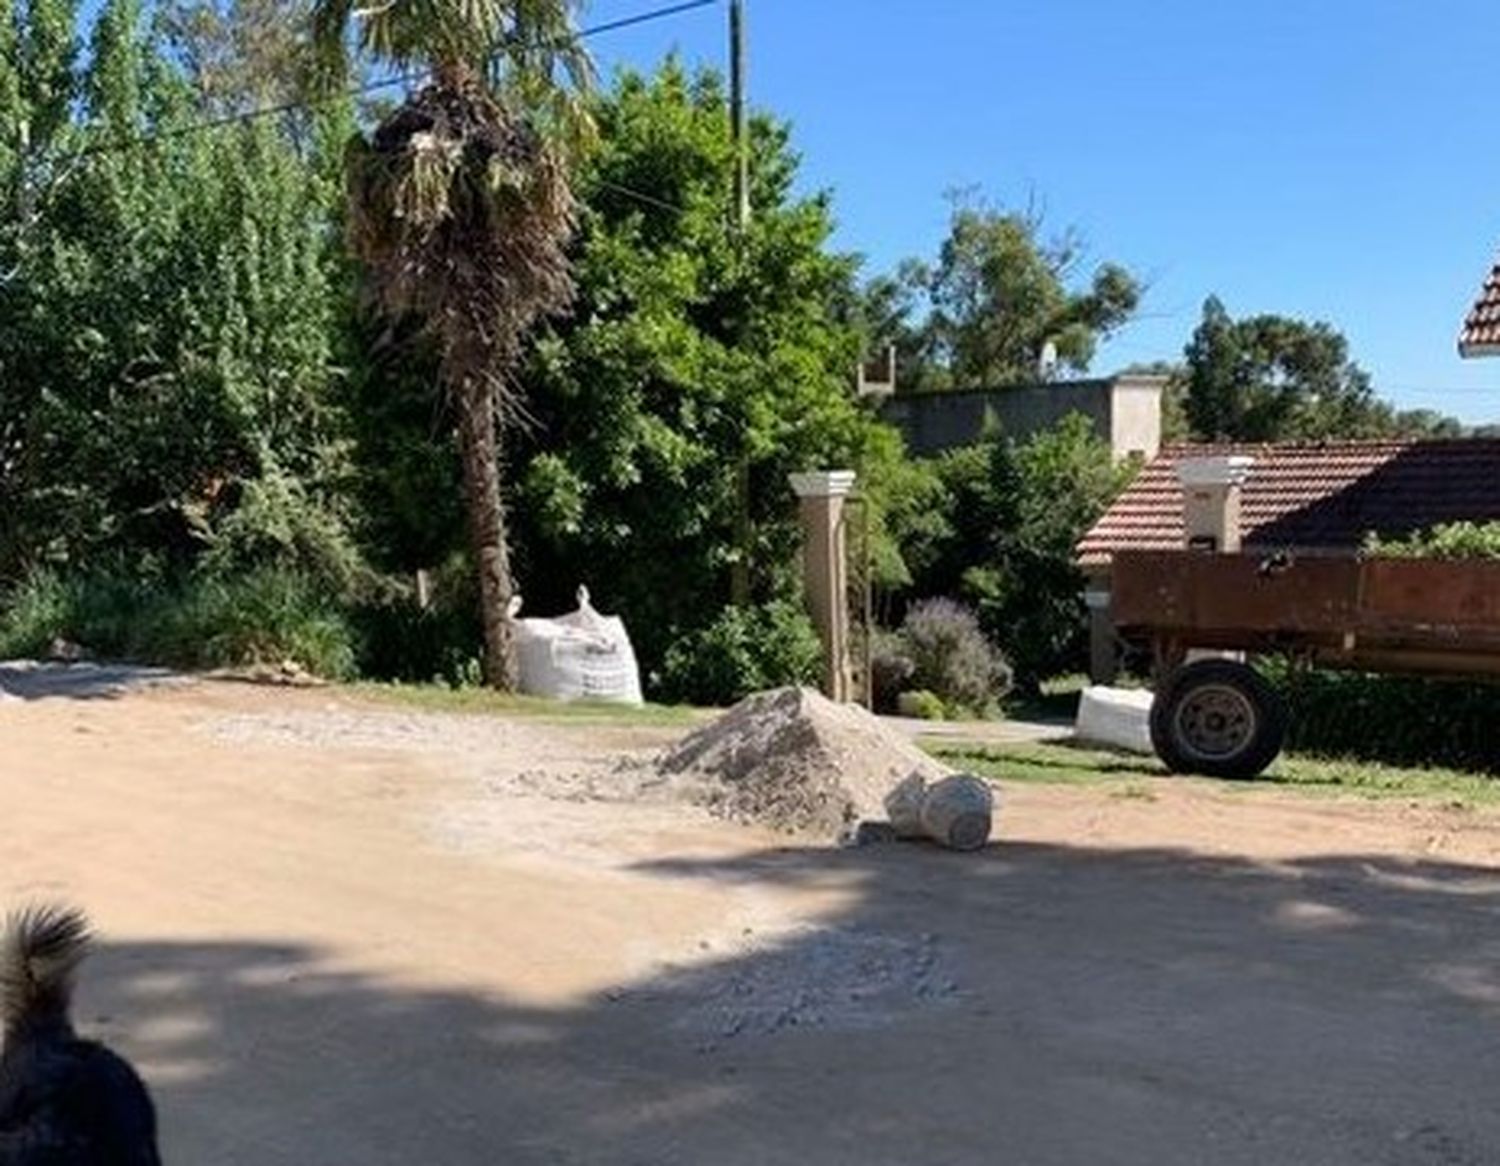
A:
(64, 1101)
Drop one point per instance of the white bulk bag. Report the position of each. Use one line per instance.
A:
(1118, 718)
(579, 656)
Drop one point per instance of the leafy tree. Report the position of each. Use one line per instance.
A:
(999, 295)
(168, 333)
(460, 211)
(240, 54)
(1011, 516)
(1273, 378)
(1427, 423)
(685, 350)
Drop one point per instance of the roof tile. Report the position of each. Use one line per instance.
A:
(1481, 334)
(1317, 495)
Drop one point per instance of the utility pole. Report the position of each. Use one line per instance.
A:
(739, 573)
(738, 117)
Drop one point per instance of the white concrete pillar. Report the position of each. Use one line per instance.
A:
(825, 571)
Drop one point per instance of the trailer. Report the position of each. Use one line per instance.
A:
(1217, 715)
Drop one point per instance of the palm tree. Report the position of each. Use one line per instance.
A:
(460, 211)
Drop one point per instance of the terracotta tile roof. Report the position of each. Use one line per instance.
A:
(1481, 335)
(1326, 496)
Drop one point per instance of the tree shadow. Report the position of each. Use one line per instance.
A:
(1424, 484)
(33, 680)
(1031, 1004)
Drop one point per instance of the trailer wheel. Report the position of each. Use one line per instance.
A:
(1218, 718)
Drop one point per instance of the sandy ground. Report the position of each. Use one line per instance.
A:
(341, 933)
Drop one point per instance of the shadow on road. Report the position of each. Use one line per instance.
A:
(1031, 1004)
(41, 680)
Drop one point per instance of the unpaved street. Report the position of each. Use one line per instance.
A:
(343, 933)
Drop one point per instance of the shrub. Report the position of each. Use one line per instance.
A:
(34, 612)
(891, 668)
(951, 657)
(1454, 540)
(1395, 720)
(998, 530)
(398, 640)
(745, 650)
(265, 616)
(921, 704)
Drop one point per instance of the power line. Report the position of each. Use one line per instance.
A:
(642, 196)
(645, 17)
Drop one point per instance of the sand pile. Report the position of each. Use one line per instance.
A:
(793, 760)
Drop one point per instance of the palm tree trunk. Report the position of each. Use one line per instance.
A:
(479, 449)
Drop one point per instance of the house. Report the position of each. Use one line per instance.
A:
(1481, 334)
(1322, 498)
(1126, 411)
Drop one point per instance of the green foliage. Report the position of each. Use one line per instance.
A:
(1454, 540)
(399, 640)
(1000, 534)
(168, 335)
(891, 668)
(951, 657)
(264, 617)
(686, 354)
(924, 705)
(1395, 720)
(1272, 378)
(744, 650)
(239, 54)
(999, 294)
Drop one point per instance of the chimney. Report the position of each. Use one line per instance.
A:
(1211, 489)
(877, 378)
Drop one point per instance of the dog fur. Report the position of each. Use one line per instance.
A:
(64, 1101)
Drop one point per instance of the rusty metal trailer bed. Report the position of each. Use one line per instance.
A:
(1218, 716)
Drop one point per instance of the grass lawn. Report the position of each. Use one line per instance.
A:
(1130, 776)
(438, 698)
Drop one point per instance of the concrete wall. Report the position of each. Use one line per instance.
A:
(1126, 411)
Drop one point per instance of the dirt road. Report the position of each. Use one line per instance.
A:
(343, 934)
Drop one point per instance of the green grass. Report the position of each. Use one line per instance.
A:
(440, 698)
(1128, 776)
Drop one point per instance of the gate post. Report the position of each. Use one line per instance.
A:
(825, 578)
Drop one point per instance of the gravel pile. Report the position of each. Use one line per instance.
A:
(793, 760)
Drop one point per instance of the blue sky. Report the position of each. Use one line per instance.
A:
(1321, 158)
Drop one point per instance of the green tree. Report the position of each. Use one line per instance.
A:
(460, 211)
(1273, 378)
(1011, 515)
(1000, 297)
(240, 54)
(684, 351)
(168, 336)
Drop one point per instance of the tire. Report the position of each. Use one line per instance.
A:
(1218, 718)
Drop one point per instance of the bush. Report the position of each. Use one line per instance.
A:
(745, 650)
(398, 640)
(951, 657)
(1454, 540)
(997, 529)
(1395, 720)
(34, 613)
(265, 616)
(891, 668)
(921, 704)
